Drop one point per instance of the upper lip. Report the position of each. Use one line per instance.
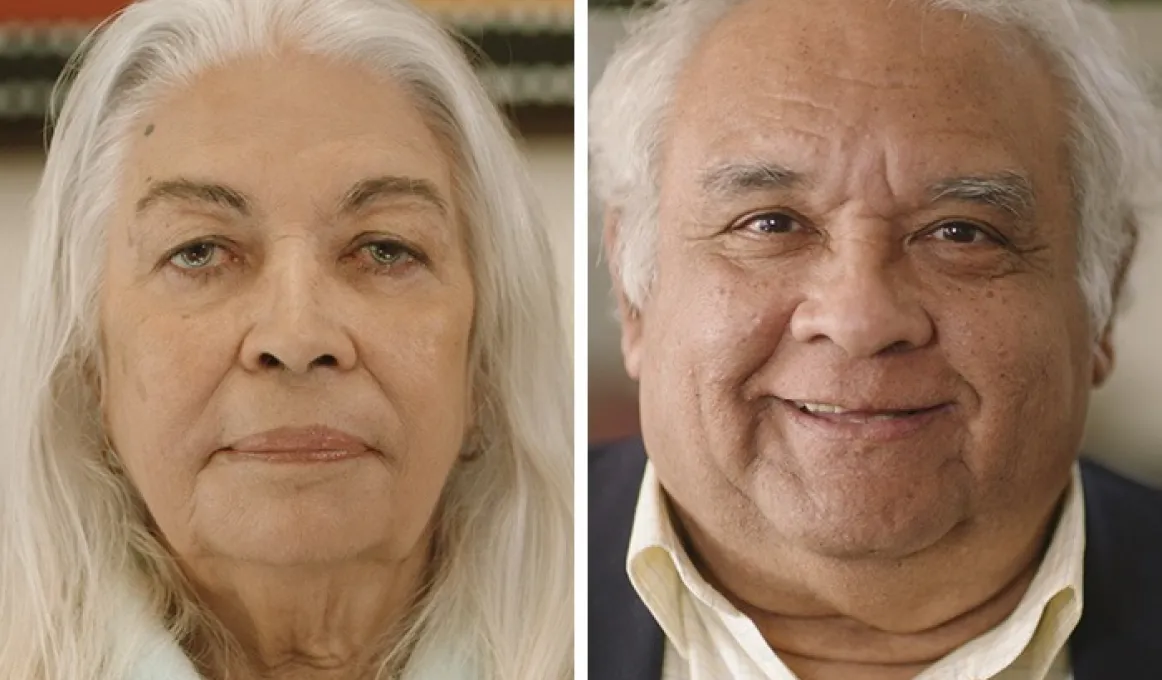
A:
(871, 406)
(300, 439)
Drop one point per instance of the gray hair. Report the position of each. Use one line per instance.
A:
(1114, 146)
(74, 543)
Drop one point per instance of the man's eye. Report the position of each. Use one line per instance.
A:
(962, 232)
(770, 223)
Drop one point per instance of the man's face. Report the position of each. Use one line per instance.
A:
(863, 205)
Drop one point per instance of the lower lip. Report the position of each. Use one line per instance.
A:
(834, 426)
(303, 456)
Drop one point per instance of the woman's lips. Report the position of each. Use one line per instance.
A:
(313, 444)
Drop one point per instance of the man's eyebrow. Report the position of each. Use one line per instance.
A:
(368, 190)
(190, 191)
(743, 177)
(1008, 191)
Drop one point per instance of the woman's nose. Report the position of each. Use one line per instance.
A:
(297, 327)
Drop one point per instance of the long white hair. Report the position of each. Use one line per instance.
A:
(82, 579)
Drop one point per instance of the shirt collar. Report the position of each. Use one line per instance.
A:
(662, 574)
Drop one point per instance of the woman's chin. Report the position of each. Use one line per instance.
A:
(286, 536)
(283, 516)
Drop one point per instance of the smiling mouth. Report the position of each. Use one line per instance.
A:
(839, 413)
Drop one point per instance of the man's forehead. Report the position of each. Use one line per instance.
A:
(816, 101)
(881, 44)
(795, 162)
(877, 33)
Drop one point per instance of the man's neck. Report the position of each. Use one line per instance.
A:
(872, 618)
(844, 646)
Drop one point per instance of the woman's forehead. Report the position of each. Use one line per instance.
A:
(289, 129)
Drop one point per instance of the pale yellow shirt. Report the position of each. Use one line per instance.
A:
(707, 638)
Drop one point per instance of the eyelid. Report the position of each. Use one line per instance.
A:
(414, 253)
(217, 242)
(215, 250)
(741, 223)
(369, 238)
(986, 230)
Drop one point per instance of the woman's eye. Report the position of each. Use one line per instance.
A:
(961, 232)
(195, 256)
(388, 253)
(770, 223)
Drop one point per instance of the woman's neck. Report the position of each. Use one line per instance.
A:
(304, 622)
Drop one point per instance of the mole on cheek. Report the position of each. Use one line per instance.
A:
(149, 129)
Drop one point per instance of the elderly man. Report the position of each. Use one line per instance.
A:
(867, 254)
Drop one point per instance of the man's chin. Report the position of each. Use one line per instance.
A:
(857, 525)
(873, 543)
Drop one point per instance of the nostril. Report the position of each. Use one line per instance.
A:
(267, 360)
(898, 347)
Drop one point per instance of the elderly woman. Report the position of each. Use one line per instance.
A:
(289, 396)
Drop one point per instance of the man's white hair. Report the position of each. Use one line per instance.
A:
(75, 547)
(1114, 145)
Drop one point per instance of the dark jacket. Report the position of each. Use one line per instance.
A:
(1119, 636)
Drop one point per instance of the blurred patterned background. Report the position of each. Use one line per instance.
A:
(524, 50)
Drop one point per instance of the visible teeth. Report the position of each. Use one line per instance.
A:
(820, 408)
(813, 407)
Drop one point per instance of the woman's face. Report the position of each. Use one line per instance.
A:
(286, 315)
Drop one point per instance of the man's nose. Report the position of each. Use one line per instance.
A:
(862, 300)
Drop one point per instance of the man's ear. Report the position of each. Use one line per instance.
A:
(628, 314)
(1103, 356)
(1103, 349)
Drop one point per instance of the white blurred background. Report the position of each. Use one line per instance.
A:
(1125, 424)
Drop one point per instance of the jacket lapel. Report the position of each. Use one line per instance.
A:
(624, 641)
(1120, 633)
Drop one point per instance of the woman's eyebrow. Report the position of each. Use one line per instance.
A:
(363, 192)
(184, 190)
(391, 187)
